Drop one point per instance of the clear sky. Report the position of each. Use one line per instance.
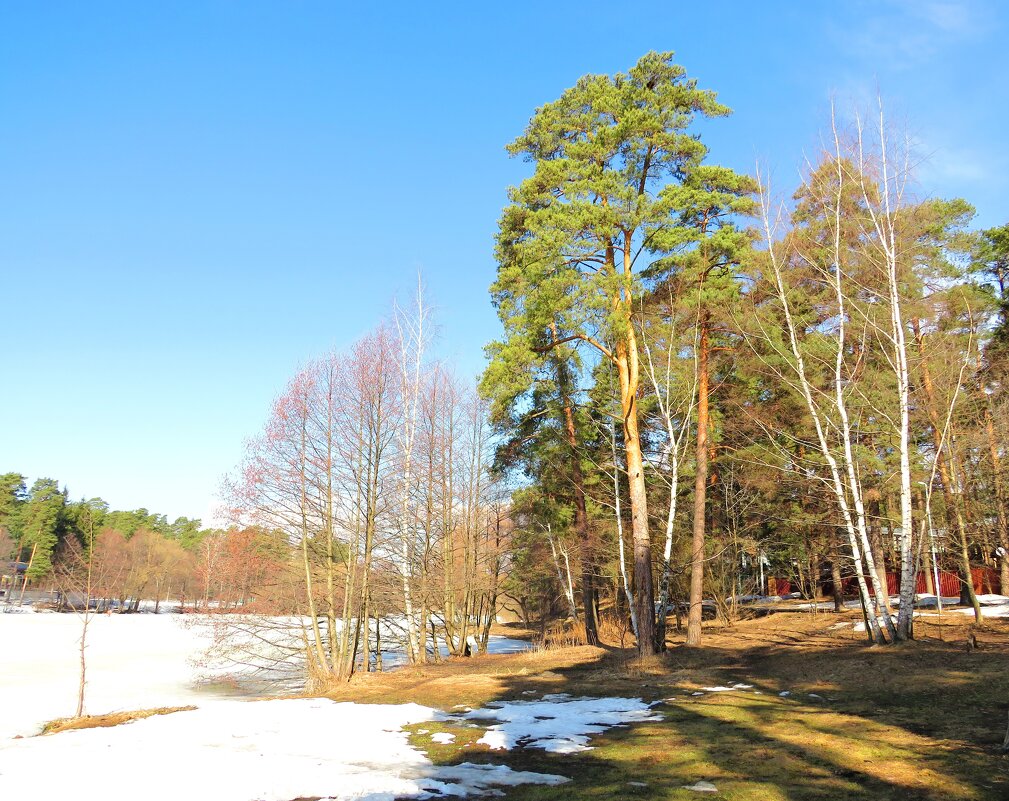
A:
(197, 197)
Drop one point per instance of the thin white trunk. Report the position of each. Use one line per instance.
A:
(837, 485)
(411, 339)
(854, 484)
(85, 620)
(568, 587)
(620, 533)
(675, 448)
(884, 223)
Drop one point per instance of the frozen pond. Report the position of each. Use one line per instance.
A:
(133, 662)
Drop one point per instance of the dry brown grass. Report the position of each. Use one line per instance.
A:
(111, 719)
(470, 681)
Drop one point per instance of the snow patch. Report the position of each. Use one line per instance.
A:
(10, 609)
(993, 606)
(557, 723)
(701, 787)
(927, 601)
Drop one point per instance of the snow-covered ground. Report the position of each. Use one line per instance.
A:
(133, 662)
(244, 750)
(235, 750)
(993, 605)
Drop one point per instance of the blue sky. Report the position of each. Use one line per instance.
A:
(197, 197)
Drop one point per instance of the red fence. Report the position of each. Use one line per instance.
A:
(985, 580)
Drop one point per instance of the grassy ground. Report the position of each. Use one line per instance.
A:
(918, 721)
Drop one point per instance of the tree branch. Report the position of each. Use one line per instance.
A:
(584, 338)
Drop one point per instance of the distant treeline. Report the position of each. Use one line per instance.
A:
(44, 519)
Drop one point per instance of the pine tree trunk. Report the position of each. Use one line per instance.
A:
(1000, 500)
(581, 513)
(620, 550)
(695, 614)
(627, 368)
(835, 577)
(876, 542)
(954, 516)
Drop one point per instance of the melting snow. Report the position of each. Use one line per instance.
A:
(992, 606)
(277, 750)
(557, 723)
(721, 689)
(701, 787)
(238, 750)
(242, 750)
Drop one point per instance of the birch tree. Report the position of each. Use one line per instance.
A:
(412, 328)
(826, 402)
(675, 398)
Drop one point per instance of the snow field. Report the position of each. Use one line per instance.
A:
(245, 750)
(133, 662)
(233, 750)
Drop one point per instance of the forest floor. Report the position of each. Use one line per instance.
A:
(825, 716)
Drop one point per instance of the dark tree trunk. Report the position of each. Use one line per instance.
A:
(836, 578)
(581, 512)
(695, 614)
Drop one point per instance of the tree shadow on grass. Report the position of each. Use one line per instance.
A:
(904, 723)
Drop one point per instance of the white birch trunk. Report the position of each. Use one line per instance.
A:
(883, 220)
(411, 339)
(620, 533)
(856, 533)
(567, 586)
(676, 445)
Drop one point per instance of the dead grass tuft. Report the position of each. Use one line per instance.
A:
(563, 634)
(111, 719)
